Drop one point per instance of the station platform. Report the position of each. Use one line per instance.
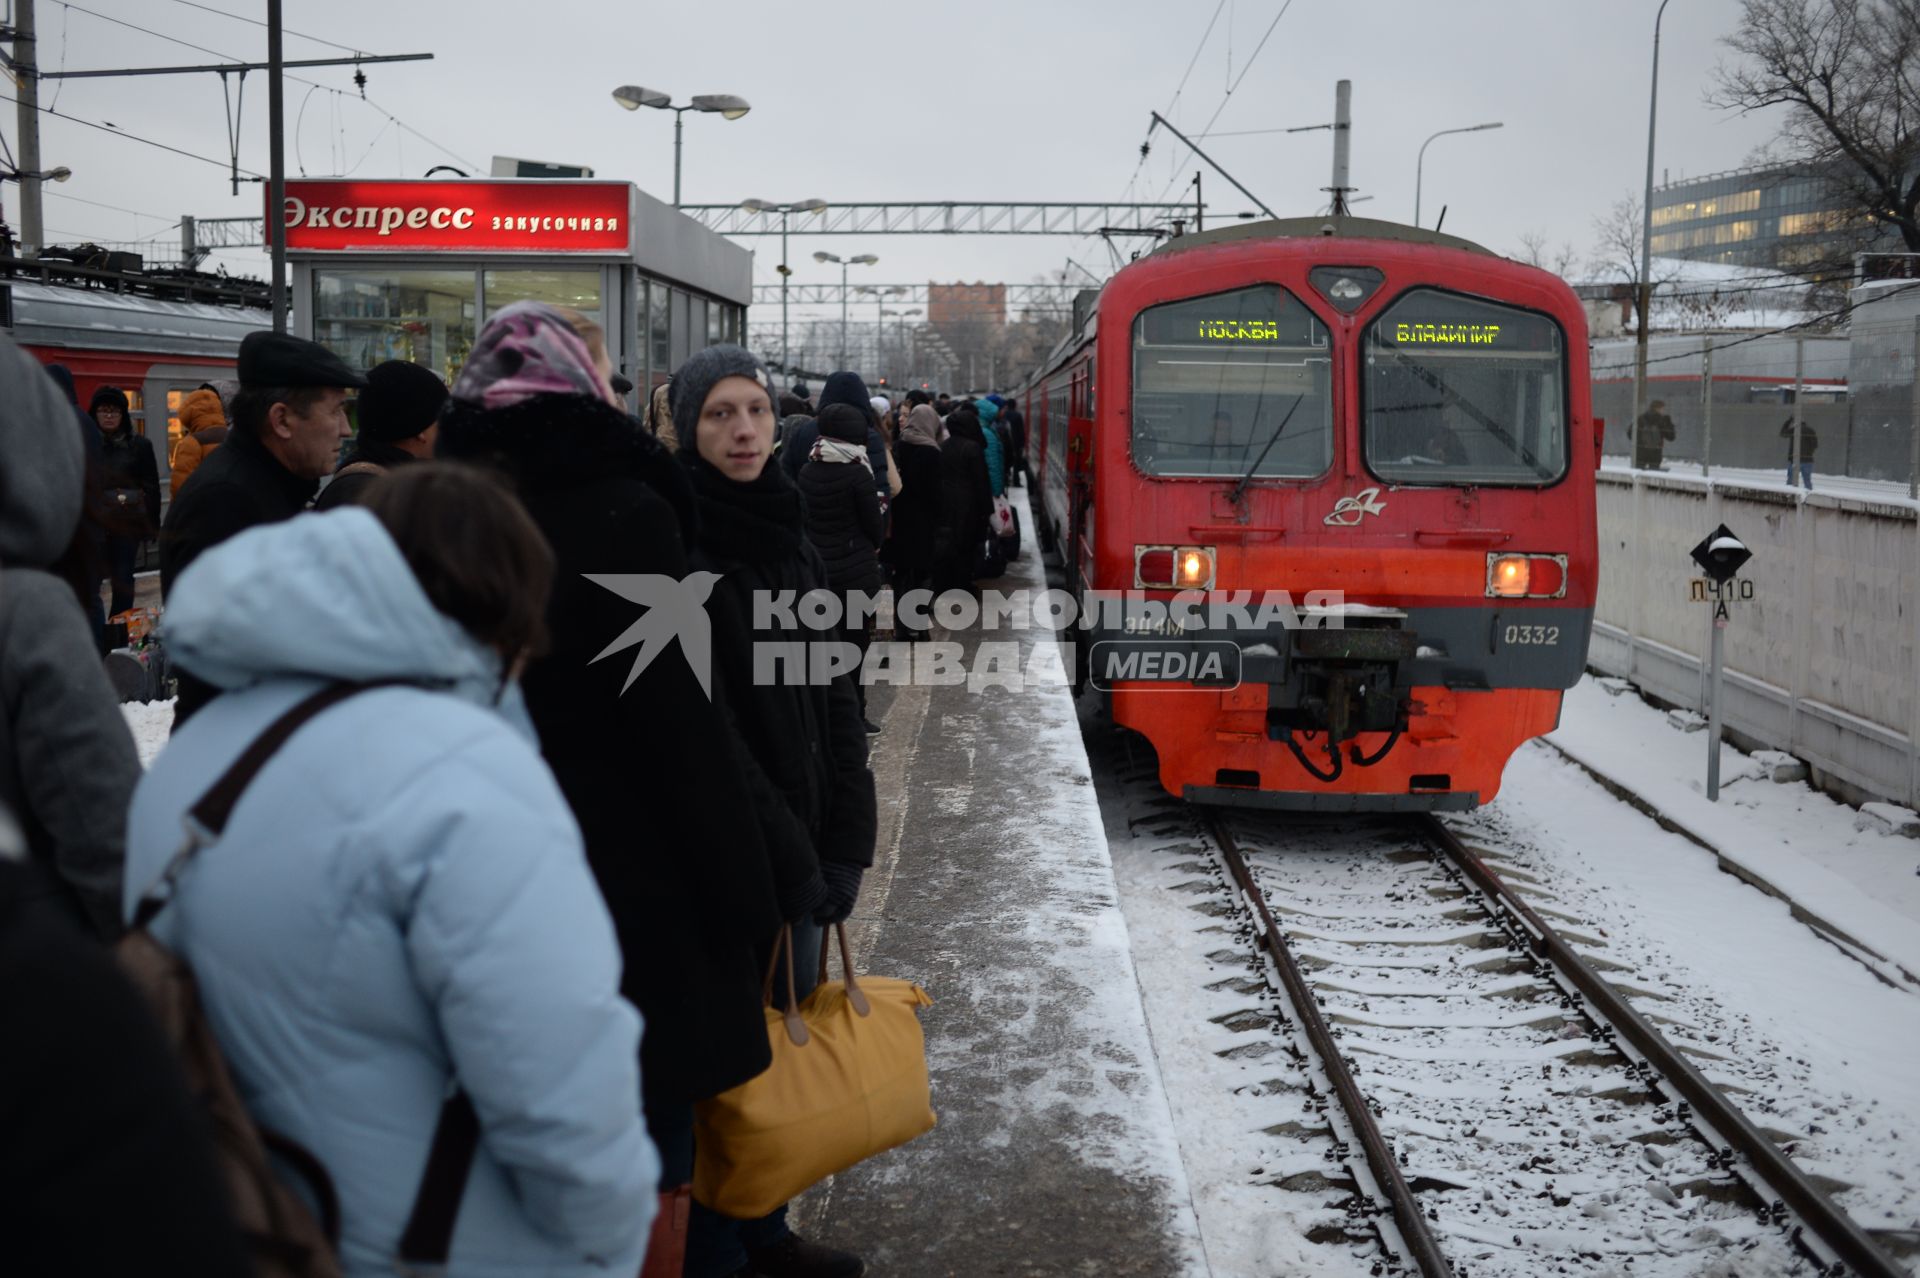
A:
(1055, 1151)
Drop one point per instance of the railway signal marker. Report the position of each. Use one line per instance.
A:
(1720, 556)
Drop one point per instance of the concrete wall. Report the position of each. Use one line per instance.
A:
(1823, 662)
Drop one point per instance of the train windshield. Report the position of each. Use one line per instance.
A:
(1230, 384)
(1458, 390)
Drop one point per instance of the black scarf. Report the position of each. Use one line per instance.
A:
(758, 522)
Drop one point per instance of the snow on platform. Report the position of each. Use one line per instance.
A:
(1055, 1152)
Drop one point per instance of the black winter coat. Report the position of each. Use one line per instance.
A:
(240, 486)
(844, 522)
(106, 1167)
(808, 739)
(648, 762)
(131, 478)
(916, 511)
(346, 490)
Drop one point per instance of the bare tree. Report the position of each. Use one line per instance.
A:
(1535, 251)
(1848, 72)
(1616, 250)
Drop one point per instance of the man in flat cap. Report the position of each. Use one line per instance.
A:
(399, 414)
(287, 421)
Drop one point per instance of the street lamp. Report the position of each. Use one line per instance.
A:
(865, 259)
(1420, 164)
(60, 174)
(785, 211)
(904, 316)
(1645, 285)
(632, 97)
(880, 296)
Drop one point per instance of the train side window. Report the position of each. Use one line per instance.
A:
(1231, 383)
(1460, 390)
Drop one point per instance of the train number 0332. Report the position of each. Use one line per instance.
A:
(1533, 634)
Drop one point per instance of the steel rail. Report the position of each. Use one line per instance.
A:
(1423, 1248)
(1849, 1243)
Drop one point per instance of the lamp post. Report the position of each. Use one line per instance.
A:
(632, 97)
(31, 247)
(903, 316)
(1645, 286)
(785, 211)
(880, 296)
(865, 259)
(1419, 166)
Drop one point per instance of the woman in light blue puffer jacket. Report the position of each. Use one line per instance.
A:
(400, 900)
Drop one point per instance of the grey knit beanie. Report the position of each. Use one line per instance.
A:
(697, 377)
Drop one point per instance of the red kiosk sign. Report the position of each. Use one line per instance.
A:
(475, 217)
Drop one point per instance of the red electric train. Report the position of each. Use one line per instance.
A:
(1389, 425)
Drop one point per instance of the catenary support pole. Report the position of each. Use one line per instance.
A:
(1799, 414)
(843, 315)
(1342, 144)
(1913, 462)
(1645, 283)
(1706, 406)
(26, 58)
(786, 362)
(277, 166)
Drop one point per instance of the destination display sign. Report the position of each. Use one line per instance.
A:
(1427, 318)
(335, 215)
(1265, 315)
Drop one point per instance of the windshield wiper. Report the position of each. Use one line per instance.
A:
(1239, 489)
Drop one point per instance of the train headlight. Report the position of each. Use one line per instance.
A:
(1526, 576)
(1195, 568)
(1508, 576)
(1173, 567)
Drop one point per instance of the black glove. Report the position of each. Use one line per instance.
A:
(806, 897)
(843, 889)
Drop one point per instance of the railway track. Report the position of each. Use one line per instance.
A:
(1496, 1104)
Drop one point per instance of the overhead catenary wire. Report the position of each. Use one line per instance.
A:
(199, 48)
(134, 137)
(241, 17)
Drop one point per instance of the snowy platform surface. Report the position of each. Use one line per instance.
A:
(1055, 1152)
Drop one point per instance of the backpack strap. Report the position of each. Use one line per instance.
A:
(456, 1137)
(207, 819)
(428, 1238)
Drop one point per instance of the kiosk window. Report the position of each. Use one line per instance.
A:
(1232, 383)
(423, 316)
(682, 327)
(576, 289)
(660, 328)
(1464, 391)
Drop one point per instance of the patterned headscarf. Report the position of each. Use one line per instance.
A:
(528, 349)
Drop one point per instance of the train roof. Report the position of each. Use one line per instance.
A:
(1352, 228)
(98, 319)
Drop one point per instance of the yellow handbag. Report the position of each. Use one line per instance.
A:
(848, 1080)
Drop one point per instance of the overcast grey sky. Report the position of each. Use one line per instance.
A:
(895, 100)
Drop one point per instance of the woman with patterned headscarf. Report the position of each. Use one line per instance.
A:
(649, 764)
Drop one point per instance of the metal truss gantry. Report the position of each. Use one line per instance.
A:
(941, 218)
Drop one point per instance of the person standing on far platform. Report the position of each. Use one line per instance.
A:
(131, 478)
(288, 420)
(1651, 435)
(399, 415)
(1809, 441)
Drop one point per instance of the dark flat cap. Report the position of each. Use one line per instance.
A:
(280, 359)
(621, 386)
(400, 401)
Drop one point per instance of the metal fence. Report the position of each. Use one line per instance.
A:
(1733, 403)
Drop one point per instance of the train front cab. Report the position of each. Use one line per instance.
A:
(1434, 470)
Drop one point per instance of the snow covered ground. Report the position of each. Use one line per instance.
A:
(1798, 839)
(150, 723)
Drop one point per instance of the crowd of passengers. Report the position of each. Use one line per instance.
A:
(531, 856)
